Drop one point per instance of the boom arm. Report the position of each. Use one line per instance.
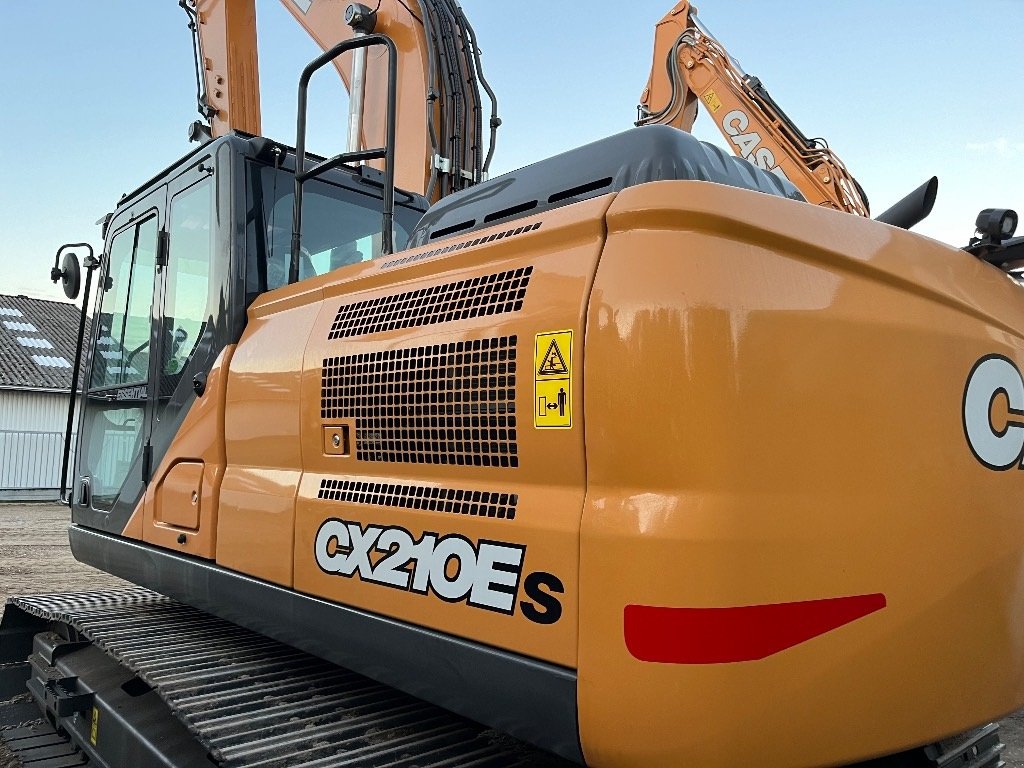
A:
(227, 70)
(690, 67)
(440, 144)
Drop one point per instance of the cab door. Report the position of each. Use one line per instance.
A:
(185, 307)
(191, 350)
(113, 451)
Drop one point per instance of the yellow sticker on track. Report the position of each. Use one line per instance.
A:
(711, 99)
(94, 728)
(552, 369)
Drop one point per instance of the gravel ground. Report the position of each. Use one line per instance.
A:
(34, 557)
(34, 553)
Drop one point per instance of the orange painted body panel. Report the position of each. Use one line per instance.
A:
(195, 461)
(267, 403)
(177, 499)
(766, 408)
(788, 427)
(261, 428)
(134, 528)
(257, 522)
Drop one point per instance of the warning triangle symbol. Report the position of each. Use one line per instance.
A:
(553, 364)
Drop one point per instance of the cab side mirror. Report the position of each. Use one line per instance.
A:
(69, 274)
(69, 271)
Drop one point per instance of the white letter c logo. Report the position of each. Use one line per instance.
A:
(995, 446)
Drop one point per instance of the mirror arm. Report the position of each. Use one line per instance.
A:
(90, 263)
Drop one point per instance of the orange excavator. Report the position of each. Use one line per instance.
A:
(638, 456)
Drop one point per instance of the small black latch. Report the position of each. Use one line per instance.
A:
(147, 462)
(370, 174)
(162, 248)
(199, 384)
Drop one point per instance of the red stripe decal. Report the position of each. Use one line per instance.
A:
(743, 633)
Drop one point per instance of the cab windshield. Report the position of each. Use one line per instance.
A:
(340, 226)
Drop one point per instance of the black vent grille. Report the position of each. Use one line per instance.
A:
(442, 404)
(459, 246)
(484, 295)
(429, 499)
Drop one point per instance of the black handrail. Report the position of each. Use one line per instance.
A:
(90, 263)
(387, 152)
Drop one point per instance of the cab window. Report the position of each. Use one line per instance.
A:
(122, 347)
(339, 227)
(186, 301)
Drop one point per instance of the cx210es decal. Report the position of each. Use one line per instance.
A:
(485, 574)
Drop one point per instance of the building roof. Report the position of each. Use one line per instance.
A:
(37, 343)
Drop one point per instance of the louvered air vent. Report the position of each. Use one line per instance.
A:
(429, 499)
(442, 404)
(459, 246)
(474, 297)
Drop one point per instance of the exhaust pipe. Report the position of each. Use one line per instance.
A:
(913, 208)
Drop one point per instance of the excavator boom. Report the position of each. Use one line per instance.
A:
(691, 66)
(439, 114)
(227, 65)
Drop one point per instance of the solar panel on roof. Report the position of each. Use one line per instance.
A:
(52, 362)
(16, 326)
(29, 341)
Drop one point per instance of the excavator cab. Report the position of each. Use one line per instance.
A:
(184, 256)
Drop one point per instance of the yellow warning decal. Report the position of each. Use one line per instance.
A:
(94, 729)
(552, 367)
(712, 100)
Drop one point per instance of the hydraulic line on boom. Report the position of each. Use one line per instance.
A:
(698, 69)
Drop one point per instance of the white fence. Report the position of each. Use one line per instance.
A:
(30, 464)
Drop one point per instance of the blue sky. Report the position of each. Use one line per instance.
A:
(96, 97)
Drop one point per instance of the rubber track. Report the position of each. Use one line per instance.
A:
(252, 701)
